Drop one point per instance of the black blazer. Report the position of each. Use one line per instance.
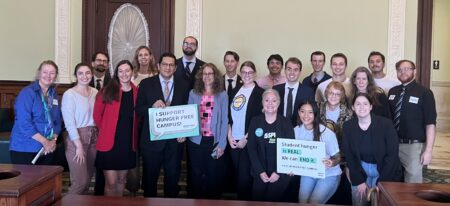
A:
(303, 94)
(254, 107)
(384, 139)
(307, 81)
(181, 74)
(239, 84)
(106, 79)
(150, 91)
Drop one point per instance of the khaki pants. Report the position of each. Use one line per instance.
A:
(410, 158)
(80, 174)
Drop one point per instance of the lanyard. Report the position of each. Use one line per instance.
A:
(170, 92)
(49, 127)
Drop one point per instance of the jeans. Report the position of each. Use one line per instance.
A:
(371, 181)
(316, 190)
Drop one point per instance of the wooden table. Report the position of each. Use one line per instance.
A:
(395, 193)
(34, 185)
(86, 200)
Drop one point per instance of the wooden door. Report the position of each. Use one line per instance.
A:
(97, 15)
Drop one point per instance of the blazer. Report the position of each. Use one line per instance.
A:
(150, 91)
(384, 139)
(179, 72)
(106, 79)
(106, 116)
(307, 81)
(219, 121)
(254, 107)
(303, 94)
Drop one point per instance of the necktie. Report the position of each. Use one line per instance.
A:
(289, 103)
(397, 111)
(187, 70)
(166, 92)
(315, 80)
(230, 86)
(98, 86)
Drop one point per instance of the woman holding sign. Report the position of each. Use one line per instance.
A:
(38, 118)
(245, 105)
(316, 190)
(207, 169)
(117, 124)
(371, 149)
(263, 132)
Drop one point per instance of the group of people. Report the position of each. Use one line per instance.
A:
(371, 125)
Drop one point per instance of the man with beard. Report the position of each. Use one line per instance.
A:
(275, 65)
(99, 64)
(102, 76)
(376, 64)
(189, 64)
(414, 118)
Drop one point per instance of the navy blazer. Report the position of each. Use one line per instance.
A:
(181, 74)
(150, 91)
(303, 94)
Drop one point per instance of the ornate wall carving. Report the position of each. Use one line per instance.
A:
(396, 35)
(62, 39)
(194, 22)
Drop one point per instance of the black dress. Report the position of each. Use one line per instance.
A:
(121, 156)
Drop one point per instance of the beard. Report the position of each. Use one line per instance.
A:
(189, 52)
(100, 68)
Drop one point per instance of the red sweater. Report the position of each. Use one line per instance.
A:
(106, 117)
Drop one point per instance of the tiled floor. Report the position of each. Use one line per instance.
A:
(441, 151)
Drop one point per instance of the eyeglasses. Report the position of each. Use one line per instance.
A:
(247, 73)
(404, 69)
(165, 65)
(101, 61)
(208, 74)
(334, 94)
(187, 44)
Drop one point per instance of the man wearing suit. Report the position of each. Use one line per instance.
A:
(157, 92)
(102, 76)
(99, 64)
(189, 64)
(231, 78)
(292, 93)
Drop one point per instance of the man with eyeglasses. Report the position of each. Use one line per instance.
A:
(189, 64)
(414, 118)
(99, 64)
(338, 66)
(318, 75)
(161, 91)
(102, 76)
(275, 65)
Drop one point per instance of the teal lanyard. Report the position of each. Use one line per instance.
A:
(49, 127)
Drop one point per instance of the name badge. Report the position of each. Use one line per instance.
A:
(55, 102)
(414, 100)
(392, 97)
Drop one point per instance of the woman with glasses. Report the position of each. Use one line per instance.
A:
(38, 118)
(245, 104)
(206, 166)
(77, 108)
(371, 149)
(334, 112)
(145, 64)
(362, 82)
(117, 124)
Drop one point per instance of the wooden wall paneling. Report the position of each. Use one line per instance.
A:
(441, 91)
